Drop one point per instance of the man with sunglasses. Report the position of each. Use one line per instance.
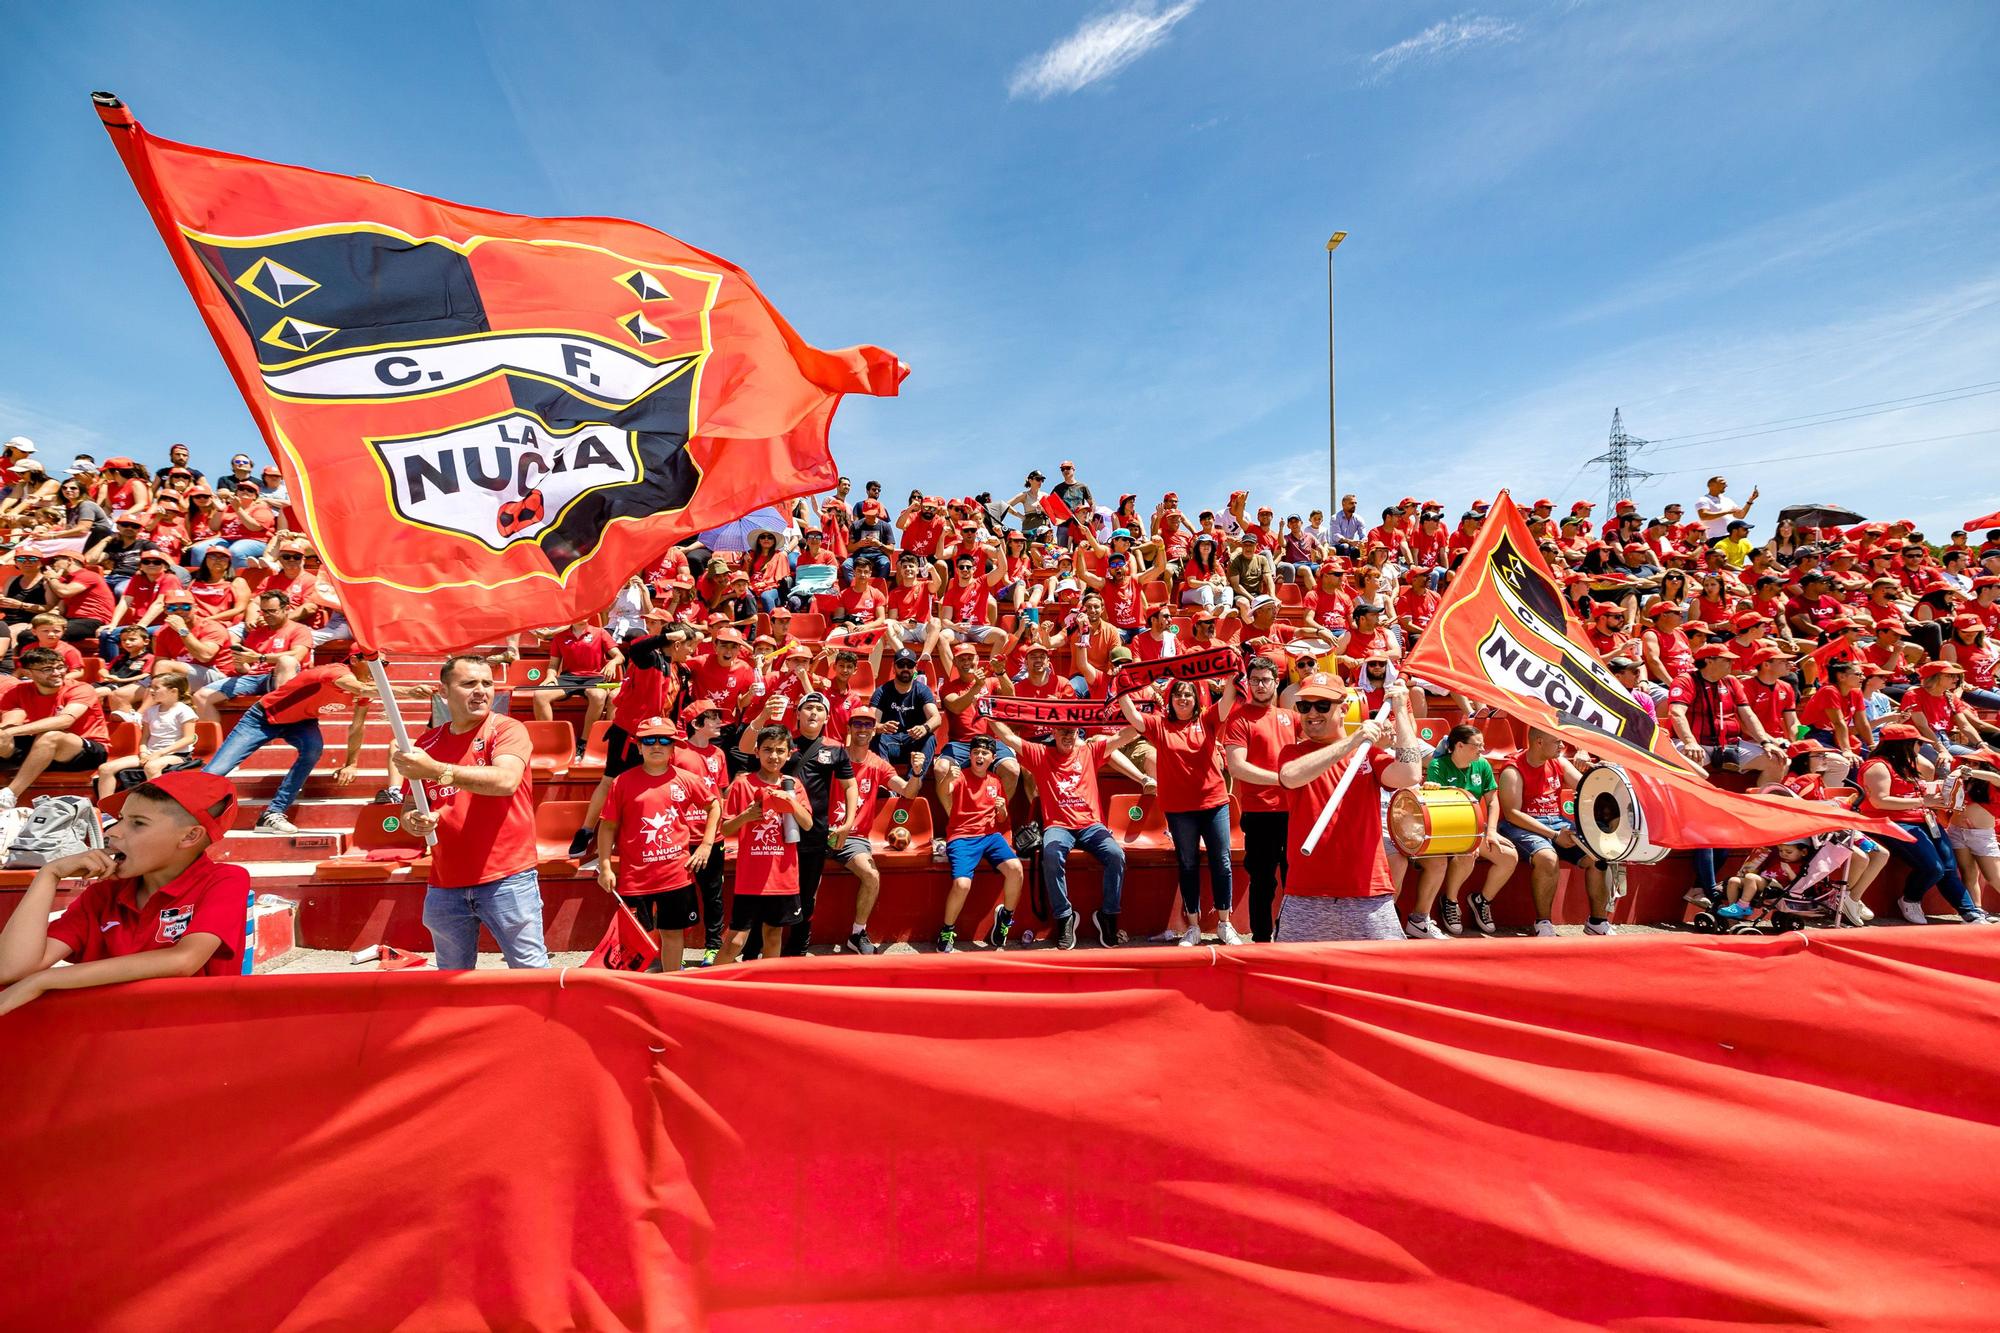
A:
(662, 823)
(118, 555)
(848, 839)
(1256, 733)
(1341, 890)
(1077, 497)
(142, 602)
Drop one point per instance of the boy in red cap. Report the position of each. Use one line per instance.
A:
(158, 905)
(662, 821)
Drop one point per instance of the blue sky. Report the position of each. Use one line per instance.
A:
(1097, 232)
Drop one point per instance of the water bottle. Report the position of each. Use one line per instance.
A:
(791, 820)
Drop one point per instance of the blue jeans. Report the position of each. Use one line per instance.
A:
(1191, 829)
(895, 746)
(1097, 840)
(511, 908)
(241, 552)
(252, 732)
(1931, 866)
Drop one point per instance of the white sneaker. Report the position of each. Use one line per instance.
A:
(1191, 936)
(1850, 912)
(1226, 932)
(1421, 928)
(1599, 928)
(1545, 928)
(1912, 912)
(7, 798)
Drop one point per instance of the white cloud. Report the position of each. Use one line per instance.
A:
(1441, 41)
(1098, 49)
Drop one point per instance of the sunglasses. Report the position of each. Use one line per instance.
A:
(161, 563)
(1305, 706)
(860, 724)
(650, 741)
(291, 555)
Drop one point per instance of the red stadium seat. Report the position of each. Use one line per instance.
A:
(1140, 827)
(554, 747)
(913, 814)
(809, 627)
(594, 755)
(556, 822)
(207, 740)
(376, 828)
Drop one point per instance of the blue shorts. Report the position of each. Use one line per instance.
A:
(1527, 842)
(242, 687)
(965, 854)
(960, 752)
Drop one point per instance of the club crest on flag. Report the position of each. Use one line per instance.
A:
(529, 434)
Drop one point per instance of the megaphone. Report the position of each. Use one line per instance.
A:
(1611, 822)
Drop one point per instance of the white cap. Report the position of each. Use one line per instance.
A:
(20, 443)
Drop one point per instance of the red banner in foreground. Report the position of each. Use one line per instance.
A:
(1798, 1130)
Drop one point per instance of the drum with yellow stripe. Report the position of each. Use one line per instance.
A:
(1436, 821)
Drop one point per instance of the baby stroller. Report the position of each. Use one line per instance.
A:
(1813, 899)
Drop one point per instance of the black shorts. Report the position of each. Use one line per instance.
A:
(676, 909)
(620, 754)
(87, 759)
(776, 910)
(572, 684)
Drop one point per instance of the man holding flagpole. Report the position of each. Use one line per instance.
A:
(1341, 890)
(482, 807)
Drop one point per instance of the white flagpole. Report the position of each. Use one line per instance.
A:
(387, 692)
(1340, 788)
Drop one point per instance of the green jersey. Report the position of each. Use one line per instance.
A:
(1478, 779)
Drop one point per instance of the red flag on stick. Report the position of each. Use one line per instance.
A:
(1057, 511)
(1504, 637)
(488, 421)
(626, 947)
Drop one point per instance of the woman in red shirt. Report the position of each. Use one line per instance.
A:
(1897, 783)
(1968, 647)
(122, 486)
(1186, 741)
(1835, 714)
(221, 595)
(768, 568)
(1712, 603)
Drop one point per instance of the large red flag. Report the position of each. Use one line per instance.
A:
(488, 421)
(1504, 637)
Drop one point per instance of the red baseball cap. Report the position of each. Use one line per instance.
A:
(1582, 507)
(1543, 503)
(1626, 507)
(195, 792)
(1929, 669)
(1603, 609)
(1745, 619)
(1664, 608)
(1708, 650)
(1897, 731)
(730, 636)
(656, 726)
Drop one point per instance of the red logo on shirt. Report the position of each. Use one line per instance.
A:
(173, 924)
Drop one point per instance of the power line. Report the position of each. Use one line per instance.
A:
(1831, 418)
(1883, 402)
(1834, 453)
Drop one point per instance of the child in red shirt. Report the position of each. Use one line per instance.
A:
(158, 904)
(767, 851)
(662, 821)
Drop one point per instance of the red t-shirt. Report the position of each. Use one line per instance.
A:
(1936, 709)
(922, 535)
(1057, 686)
(968, 604)
(723, 685)
(871, 773)
(214, 598)
(706, 761)
(141, 592)
(658, 819)
(1348, 862)
(24, 696)
(1898, 786)
(208, 898)
(766, 865)
(91, 602)
(1541, 787)
(1067, 785)
(1715, 722)
(645, 692)
(305, 694)
(978, 806)
(1770, 703)
(1187, 755)
(1827, 703)
(1263, 733)
(290, 637)
(582, 654)
(481, 839)
(1124, 604)
(911, 602)
(1676, 653)
(169, 642)
(863, 604)
(966, 725)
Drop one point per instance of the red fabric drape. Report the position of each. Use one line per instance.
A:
(1656, 1133)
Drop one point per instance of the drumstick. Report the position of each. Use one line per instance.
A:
(1340, 788)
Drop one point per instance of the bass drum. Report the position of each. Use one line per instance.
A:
(1610, 822)
(1436, 821)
